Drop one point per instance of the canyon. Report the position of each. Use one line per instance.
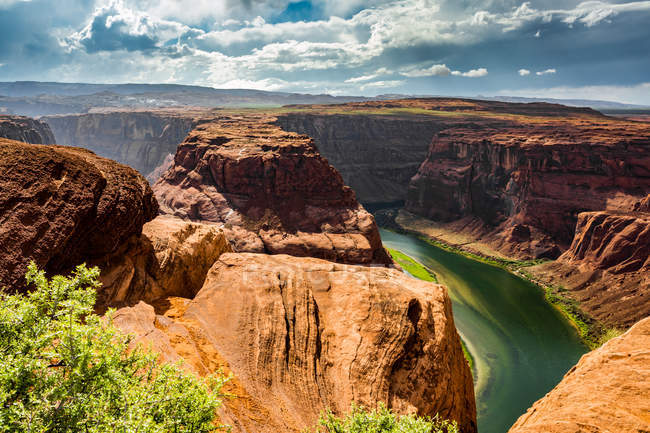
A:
(140, 139)
(313, 333)
(250, 200)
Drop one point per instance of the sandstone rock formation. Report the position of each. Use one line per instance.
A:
(302, 334)
(529, 178)
(271, 190)
(607, 391)
(60, 206)
(139, 139)
(25, 129)
(170, 258)
(607, 267)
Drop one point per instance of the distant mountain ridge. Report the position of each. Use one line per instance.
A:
(34, 98)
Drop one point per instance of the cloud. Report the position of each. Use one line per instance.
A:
(383, 84)
(116, 27)
(546, 72)
(435, 70)
(474, 73)
(524, 72)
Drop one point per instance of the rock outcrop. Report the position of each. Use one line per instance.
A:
(25, 129)
(607, 391)
(170, 258)
(139, 139)
(607, 267)
(271, 190)
(60, 206)
(529, 181)
(301, 335)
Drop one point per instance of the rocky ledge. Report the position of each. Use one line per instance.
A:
(60, 206)
(301, 335)
(607, 391)
(271, 190)
(25, 129)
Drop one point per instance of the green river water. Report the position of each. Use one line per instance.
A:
(521, 345)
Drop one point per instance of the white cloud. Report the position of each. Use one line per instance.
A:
(435, 70)
(383, 84)
(636, 94)
(538, 34)
(474, 73)
(547, 72)
(8, 3)
(524, 72)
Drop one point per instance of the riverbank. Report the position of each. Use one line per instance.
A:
(591, 332)
(521, 346)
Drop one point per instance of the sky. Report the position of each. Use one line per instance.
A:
(536, 48)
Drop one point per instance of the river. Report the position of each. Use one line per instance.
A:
(521, 345)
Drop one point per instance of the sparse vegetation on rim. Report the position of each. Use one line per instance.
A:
(65, 369)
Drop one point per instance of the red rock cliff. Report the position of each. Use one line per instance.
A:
(65, 206)
(607, 391)
(272, 191)
(535, 177)
(302, 335)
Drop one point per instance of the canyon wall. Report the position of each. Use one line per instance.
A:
(607, 267)
(533, 178)
(139, 139)
(25, 129)
(271, 190)
(607, 391)
(376, 155)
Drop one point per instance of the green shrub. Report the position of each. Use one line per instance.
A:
(382, 420)
(65, 369)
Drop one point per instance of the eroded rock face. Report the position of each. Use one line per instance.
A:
(25, 129)
(60, 206)
(529, 181)
(376, 155)
(607, 267)
(302, 334)
(139, 139)
(607, 391)
(170, 258)
(271, 190)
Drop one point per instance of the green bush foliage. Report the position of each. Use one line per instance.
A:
(382, 420)
(65, 369)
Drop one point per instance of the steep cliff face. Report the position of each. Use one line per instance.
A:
(139, 139)
(533, 178)
(376, 155)
(272, 191)
(60, 206)
(607, 391)
(25, 129)
(607, 267)
(301, 335)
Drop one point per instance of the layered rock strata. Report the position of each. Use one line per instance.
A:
(607, 267)
(60, 206)
(607, 391)
(301, 335)
(139, 139)
(271, 190)
(530, 181)
(25, 129)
